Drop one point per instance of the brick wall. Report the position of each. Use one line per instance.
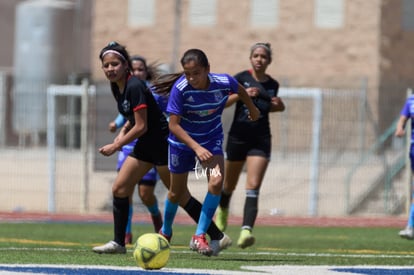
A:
(304, 55)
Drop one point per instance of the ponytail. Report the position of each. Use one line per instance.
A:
(164, 83)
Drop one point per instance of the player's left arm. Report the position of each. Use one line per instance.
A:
(233, 98)
(276, 104)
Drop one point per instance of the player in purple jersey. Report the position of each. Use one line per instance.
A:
(146, 186)
(407, 113)
(249, 142)
(197, 99)
(149, 126)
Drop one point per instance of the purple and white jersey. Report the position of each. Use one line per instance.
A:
(408, 112)
(200, 110)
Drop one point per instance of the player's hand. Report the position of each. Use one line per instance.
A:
(108, 150)
(112, 127)
(254, 114)
(277, 105)
(399, 132)
(277, 101)
(252, 91)
(203, 154)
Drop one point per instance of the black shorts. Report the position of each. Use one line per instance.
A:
(238, 149)
(147, 182)
(153, 150)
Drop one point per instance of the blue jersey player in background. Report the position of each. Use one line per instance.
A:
(407, 113)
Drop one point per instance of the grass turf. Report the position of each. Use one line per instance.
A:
(71, 243)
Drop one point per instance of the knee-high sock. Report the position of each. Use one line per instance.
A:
(250, 209)
(207, 212)
(130, 213)
(153, 209)
(120, 212)
(169, 214)
(193, 209)
(225, 199)
(411, 216)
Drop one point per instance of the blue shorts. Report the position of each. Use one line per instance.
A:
(182, 160)
(122, 155)
(150, 178)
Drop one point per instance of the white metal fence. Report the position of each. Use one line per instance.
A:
(317, 143)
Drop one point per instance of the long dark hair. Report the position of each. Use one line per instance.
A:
(153, 71)
(163, 84)
(121, 51)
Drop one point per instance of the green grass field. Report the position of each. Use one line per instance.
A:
(71, 243)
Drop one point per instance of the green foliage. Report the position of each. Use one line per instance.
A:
(71, 243)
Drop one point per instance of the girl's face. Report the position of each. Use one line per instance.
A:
(113, 67)
(138, 69)
(196, 75)
(259, 59)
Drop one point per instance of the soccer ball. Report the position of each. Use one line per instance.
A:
(151, 251)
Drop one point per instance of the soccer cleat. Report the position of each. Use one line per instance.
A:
(110, 247)
(199, 243)
(407, 233)
(128, 238)
(165, 236)
(246, 239)
(157, 222)
(221, 218)
(218, 245)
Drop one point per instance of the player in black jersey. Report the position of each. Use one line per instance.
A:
(249, 142)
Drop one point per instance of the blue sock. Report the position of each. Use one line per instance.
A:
(169, 215)
(410, 222)
(153, 209)
(210, 205)
(130, 212)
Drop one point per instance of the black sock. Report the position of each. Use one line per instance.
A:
(193, 208)
(250, 211)
(120, 212)
(225, 200)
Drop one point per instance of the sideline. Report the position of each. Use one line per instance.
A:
(383, 221)
(250, 270)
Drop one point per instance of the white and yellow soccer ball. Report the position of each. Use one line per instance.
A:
(151, 251)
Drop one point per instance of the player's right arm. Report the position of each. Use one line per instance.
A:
(175, 128)
(117, 123)
(400, 130)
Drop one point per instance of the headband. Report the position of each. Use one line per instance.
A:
(114, 52)
(261, 45)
